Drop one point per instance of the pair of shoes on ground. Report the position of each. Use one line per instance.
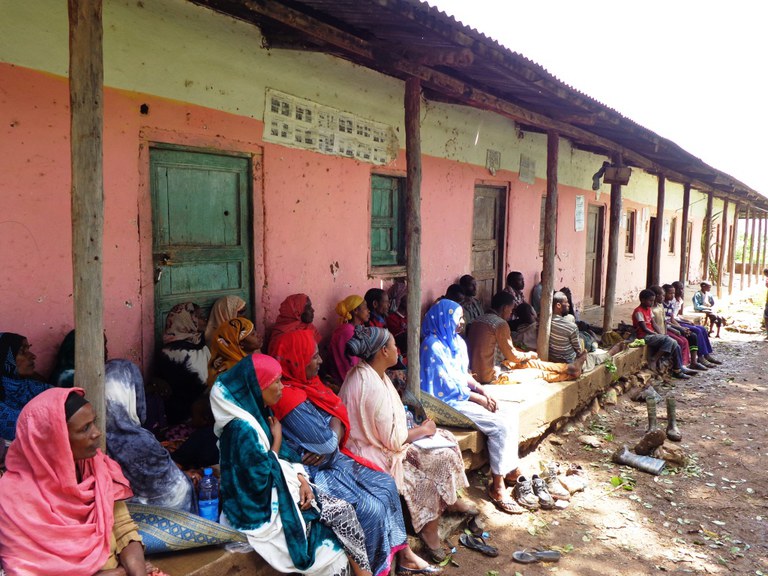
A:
(429, 569)
(684, 373)
(563, 481)
(533, 494)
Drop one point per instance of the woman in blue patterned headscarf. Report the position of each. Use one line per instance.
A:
(154, 477)
(18, 381)
(445, 375)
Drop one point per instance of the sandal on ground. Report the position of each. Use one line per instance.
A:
(477, 544)
(526, 557)
(507, 505)
(428, 569)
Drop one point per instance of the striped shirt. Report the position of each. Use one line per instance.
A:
(564, 341)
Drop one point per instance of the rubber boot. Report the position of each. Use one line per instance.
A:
(650, 442)
(673, 432)
(643, 463)
(650, 402)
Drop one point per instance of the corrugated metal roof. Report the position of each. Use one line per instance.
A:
(460, 64)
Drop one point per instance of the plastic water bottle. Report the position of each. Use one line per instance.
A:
(409, 418)
(208, 496)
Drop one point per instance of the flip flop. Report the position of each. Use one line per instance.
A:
(505, 504)
(477, 544)
(526, 557)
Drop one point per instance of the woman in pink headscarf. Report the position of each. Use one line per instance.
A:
(61, 500)
(296, 313)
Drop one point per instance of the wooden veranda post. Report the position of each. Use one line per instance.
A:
(721, 257)
(765, 240)
(413, 228)
(744, 247)
(657, 232)
(732, 251)
(86, 76)
(758, 254)
(550, 236)
(751, 249)
(613, 251)
(684, 234)
(707, 235)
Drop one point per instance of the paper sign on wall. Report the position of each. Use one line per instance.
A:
(579, 216)
(300, 123)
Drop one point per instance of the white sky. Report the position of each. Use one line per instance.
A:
(693, 71)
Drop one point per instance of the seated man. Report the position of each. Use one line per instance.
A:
(564, 342)
(455, 293)
(491, 348)
(515, 286)
(472, 306)
(536, 294)
(525, 328)
(704, 302)
(646, 328)
(378, 305)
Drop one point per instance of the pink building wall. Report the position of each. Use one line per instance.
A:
(311, 216)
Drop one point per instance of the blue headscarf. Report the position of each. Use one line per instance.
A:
(154, 477)
(15, 390)
(444, 358)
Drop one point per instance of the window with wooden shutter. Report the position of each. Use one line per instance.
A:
(387, 220)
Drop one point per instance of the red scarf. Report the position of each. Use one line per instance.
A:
(289, 320)
(294, 352)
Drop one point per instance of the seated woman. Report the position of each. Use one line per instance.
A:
(445, 375)
(316, 425)
(153, 476)
(19, 382)
(64, 371)
(61, 500)
(397, 320)
(377, 301)
(428, 478)
(264, 490)
(224, 309)
(296, 313)
(232, 341)
(352, 311)
(183, 360)
(525, 327)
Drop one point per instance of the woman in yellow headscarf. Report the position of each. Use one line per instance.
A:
(231, 342)
(352, 311)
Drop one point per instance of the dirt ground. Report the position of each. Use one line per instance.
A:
(708, 517)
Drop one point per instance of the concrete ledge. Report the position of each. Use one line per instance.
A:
(541, 404)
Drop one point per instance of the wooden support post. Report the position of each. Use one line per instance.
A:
(550, 237)
(86, 78)
(758, 254)
(413, 228)
(613, 251)
(721, 256)
(684, 234)
(732, 251)
(657, 232)
(744, 247)
(707, 235)
(765, 241)
(751, 249)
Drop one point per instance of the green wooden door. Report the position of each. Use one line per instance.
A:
(200, 229)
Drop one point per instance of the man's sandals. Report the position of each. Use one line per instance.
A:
(505, 503)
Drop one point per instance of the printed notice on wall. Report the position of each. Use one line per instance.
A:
(527, 169)
(300, 123)
(579, 217)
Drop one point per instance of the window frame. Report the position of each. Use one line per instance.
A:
(630, 235)
(386, 267)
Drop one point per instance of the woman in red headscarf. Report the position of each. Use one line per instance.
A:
(296, 313)
(315, 424)
(61, 509)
